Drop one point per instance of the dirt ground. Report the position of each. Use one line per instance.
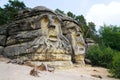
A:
(76, 72)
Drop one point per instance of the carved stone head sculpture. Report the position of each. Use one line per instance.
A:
(37, 33)
(73, 33)
(52, 45)
(40, 34)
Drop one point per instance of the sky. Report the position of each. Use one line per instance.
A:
(98, 11)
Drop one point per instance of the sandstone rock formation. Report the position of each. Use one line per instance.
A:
(41, 34)
(3, 37)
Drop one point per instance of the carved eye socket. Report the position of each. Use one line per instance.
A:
(78, 34)
(56, 20)
(44, 19)
(72, 28)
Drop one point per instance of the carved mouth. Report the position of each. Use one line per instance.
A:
(53, 38)
(80, 43)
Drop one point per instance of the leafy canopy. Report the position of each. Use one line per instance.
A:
(110, 36)
(8, 12)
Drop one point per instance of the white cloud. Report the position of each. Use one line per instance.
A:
(101, 13)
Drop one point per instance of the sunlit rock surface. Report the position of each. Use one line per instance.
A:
(41, 34)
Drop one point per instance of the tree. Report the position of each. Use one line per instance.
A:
(7, 13)
(59, 11)
(91, 32)
(81, 20)
(110, 36)
(70, 14)
(91, 26)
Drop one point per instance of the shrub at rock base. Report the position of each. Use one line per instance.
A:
(115, 68)
(100, 55)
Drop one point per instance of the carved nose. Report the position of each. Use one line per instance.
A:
(77, 34)
(52, 25)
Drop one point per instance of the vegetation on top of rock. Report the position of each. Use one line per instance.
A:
(10, 10)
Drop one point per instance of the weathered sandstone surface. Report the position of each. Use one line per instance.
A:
(43, 35)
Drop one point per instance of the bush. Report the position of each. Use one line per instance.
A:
(93, 54)
(100, 55)
(115, 68)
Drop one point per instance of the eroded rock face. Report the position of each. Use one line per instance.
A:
(74, 34)
(40, 34)
(3, 37)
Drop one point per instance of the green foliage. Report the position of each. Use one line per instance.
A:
(70, 14)
(100, 55)
(91, 32)
(80, 19)
(110, 35)
(115, 68)
(108, 40)
(105, 57)
(59, 11)
(8, 12)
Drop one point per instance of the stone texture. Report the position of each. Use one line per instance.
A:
(41, 34)
(89, 42)
(2, 40)
(23, 25)
(1, 50)
(73, 33)
(18, 49)
(3, 34)
(23, 36)
(3, 30)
